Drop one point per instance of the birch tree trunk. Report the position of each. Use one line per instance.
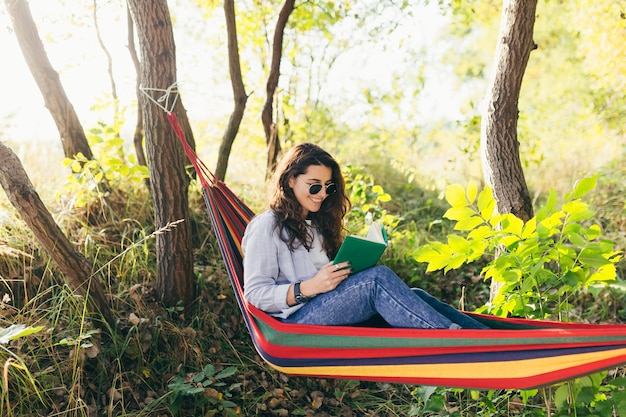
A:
(499, 143)
(169, 181)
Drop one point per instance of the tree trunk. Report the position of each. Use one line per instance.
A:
(138, 134)
(271, 132)
(499, 143)
(77, 269)
(239, 92)
(71, 131)
(169, 181)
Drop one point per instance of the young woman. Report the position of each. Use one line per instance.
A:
(288, 250)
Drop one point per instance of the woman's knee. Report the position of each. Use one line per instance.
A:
(384, 276)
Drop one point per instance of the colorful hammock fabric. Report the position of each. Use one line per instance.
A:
(514, 354)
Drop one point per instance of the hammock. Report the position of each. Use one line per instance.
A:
(514, 354)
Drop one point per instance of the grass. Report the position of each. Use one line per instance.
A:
(157, 357)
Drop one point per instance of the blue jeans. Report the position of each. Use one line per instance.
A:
(379, 290)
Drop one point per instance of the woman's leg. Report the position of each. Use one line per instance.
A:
(362, 295)
(456, 316)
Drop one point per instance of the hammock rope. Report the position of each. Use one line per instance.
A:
(515, 354)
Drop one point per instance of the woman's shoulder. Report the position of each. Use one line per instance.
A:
(264, 221)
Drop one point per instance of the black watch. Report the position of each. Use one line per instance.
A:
(300, 299)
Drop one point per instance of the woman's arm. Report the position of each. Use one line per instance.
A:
(261, 267)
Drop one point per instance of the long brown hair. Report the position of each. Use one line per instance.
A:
(288, 211)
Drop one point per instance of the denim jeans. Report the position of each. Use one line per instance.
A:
(379, 290)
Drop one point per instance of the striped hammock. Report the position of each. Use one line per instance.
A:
(514, 354)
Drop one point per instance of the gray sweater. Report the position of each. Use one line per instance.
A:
(270, 267)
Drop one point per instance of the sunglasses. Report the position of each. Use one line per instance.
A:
(331, 188)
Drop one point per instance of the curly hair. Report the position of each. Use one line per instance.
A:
(289, 218)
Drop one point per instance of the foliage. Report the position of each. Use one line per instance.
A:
(16, 376)
(559, 126)
(204, 386)
(93, 180)
(571, 108)
(367, 200)
(542, 264)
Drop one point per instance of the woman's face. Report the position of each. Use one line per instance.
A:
(314, 174)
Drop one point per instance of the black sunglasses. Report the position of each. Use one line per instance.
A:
(316, 188)
(331, 188)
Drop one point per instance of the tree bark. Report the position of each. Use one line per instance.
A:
(138, 134)
(239, 92)
(169, 181)
(67, 122)
(271, 132)
(24, 197)
(499, 143)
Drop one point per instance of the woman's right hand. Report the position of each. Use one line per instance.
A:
(326, 279)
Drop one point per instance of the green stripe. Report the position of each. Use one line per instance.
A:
(355, 342)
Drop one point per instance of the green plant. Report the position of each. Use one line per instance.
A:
(92, 180)
(367, 200)
(14, 368)
(541, 264)
(203, 387)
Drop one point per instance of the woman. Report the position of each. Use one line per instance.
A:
(288, 250)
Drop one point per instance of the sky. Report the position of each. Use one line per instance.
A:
(73, 51)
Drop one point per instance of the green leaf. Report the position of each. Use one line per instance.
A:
(486, 203)
(16, 331)
(458, 244)
(455, 196)
(548, 208)
(459, 213)
(605, 273)
(481, 233)
(225, 373)
(469, 223)
(530, 227)
(436, 263)
(471, 191)
(582, 187)
(526, 248)
(512, 224)
(424, 253)
(576, 239)
(577, 211)
(551, 224)
(592, 258)
(509, 241)
(455, 261)
(570, 279)
(561, 396)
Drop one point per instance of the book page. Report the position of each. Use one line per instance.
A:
(376, 234)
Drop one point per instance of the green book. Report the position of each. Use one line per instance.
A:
(363, 251)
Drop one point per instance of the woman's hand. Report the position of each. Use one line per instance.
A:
(326, 279)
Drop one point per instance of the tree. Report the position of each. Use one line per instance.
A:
(24, 197)
(271, 132)
(239, 92)
(169, 181)
(138, 134)
(47, 79)
(499, 145)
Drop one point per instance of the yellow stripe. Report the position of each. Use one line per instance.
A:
(522, 368)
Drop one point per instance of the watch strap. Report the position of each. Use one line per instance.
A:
(300, 299)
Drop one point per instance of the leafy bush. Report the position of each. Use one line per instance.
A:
(541, 264)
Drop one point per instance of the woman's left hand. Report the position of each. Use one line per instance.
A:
(326, 279)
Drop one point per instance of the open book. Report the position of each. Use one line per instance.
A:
(363, 252)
